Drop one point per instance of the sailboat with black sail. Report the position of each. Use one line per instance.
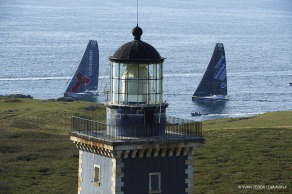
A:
(84, 83)
(213, 85)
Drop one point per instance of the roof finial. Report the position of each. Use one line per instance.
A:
(137, 32)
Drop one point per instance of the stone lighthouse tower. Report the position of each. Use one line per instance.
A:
(139, 149)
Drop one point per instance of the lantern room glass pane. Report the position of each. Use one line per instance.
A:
(122, 69)
(115, 82)
(115, 91)
(115, 70)
(136, 83)
(159, 71)
(153, 71)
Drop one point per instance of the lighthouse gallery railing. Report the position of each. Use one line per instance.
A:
(102, 130)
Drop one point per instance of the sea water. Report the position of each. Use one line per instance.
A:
(41, 42)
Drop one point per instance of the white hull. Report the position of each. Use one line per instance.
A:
(211, 98)
(84, 96)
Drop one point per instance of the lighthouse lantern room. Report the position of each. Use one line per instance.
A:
(136, 90)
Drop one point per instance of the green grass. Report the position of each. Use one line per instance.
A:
(245, 152)
(37, 162)
(36, 155)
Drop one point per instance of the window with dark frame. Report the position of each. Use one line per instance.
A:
(96, 178)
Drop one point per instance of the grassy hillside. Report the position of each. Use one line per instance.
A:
(246, 155)
(36, 155)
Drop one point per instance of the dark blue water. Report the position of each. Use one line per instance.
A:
(42, 41)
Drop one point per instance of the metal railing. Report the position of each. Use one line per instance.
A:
(102, 130)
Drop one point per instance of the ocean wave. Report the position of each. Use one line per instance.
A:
(39, 78)
(33, 78)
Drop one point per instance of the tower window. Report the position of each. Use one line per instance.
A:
(155, 182)
(96, 176)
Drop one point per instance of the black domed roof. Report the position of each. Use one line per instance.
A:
(137, 50)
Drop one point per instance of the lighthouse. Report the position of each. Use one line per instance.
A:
(139, 149)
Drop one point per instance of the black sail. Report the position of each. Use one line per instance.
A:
(214, 81)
